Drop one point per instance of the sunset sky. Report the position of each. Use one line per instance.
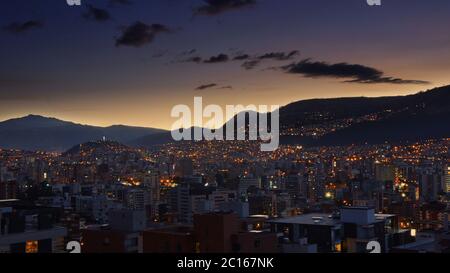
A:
(130, 61)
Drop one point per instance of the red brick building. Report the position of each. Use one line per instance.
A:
(97, 240)
(178, 239)
(212, 233)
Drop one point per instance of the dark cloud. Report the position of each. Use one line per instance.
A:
(96, 14)
(354, 73)
(214, 7)
(187, 57)
(279, 56)
(192, 60)
(140, 34)
(221, 58)
(250, 64)
(212, 85)
(19, 27)
(250, 61)
(253, 62)
(188, 52)
(160, 54)
(241, 57)
(206, 86)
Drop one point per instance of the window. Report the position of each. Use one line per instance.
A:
(338, 247)
(197, 247)
(236, 247)
(32, 247)
(257, 243)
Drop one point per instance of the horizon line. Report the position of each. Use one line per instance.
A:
(168, 129)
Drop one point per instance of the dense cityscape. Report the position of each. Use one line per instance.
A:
(226, 197)
(224, 135)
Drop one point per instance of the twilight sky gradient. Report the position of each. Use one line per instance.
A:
(130, 61)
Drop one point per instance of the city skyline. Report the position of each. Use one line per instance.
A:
(109, 62)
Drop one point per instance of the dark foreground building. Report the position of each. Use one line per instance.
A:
(211, 233)
(25, 229)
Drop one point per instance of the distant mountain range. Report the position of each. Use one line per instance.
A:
(395, 119)
(360, 120)
(49, 134)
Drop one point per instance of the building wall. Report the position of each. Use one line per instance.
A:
(255, 242)
(102, 241)
(214, 231)
(447, 178)
(320, 235)
(161, 241)
(363, 216)
(8, 190)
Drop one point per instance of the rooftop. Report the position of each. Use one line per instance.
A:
(424, 242)
(319, 219)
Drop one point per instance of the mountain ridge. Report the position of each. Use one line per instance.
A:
(417, 116)
(429, 110)
(35, 132)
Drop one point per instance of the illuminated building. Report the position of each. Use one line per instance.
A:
(429, 186)
(180, 203)
(384, 173)
(432, 216)
(447, 179)
(152, 185)
(246, 183)
(263, 203)
(296, 187)
(137, 199)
